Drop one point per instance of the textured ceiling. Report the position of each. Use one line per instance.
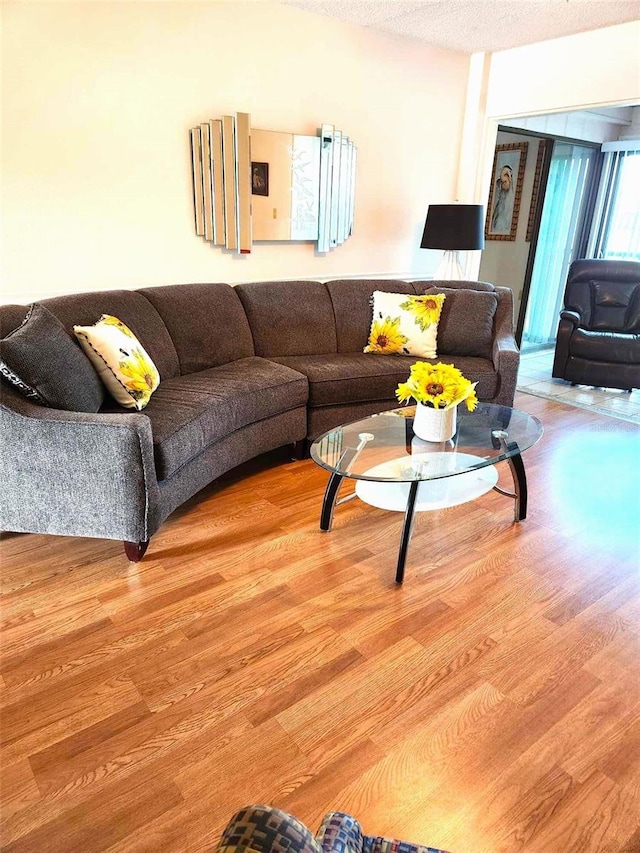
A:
(478, 25)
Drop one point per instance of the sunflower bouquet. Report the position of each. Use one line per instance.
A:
(438, 386)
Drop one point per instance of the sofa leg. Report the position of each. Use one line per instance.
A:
(300, 449)
(135, 550)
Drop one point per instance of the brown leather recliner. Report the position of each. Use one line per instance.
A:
(598, 339)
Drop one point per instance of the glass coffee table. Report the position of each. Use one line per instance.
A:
(396, 470)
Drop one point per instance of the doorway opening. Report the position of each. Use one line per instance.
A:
(580, 198)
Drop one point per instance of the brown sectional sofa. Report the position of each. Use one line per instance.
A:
(243, 370)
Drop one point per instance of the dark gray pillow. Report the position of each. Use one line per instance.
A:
(466, 322)
(43, 361)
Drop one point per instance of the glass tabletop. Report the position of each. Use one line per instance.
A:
(383, 448)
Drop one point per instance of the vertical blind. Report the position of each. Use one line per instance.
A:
(560, 227)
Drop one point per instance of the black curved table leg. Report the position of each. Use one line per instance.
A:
(329, 502)
(407, 529)
(520, 486)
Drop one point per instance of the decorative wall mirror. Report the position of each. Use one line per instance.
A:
(263, 185)
(285, 185)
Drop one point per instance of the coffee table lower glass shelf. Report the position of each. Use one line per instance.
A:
(432, 494)
(394, 470)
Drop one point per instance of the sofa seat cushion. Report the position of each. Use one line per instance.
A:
(617, 347)
(340, 378)
(189, 413)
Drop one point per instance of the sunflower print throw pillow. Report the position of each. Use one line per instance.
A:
(123, 364)
(405, 325)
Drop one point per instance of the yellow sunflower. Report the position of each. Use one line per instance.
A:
(426, 308)
(437, 390)
(471, 401)
(386, 336)
(438, 385)
(141, 375)
(406, 391)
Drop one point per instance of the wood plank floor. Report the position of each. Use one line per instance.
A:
(490, 705)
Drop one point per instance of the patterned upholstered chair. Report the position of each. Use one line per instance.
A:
(267, 830)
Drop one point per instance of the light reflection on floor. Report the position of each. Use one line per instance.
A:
(598, 502)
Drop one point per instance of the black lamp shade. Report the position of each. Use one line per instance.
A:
(454, 227)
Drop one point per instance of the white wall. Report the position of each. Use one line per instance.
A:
(589, 69)
(97, 102)
(632, 131)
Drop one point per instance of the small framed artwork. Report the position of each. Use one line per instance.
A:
(533, 209)
(259, 178)
(506, 189)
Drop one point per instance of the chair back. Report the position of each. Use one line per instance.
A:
(605, 293)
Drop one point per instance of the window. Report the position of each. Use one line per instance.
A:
(617, 231)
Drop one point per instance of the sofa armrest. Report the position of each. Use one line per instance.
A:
(505, 351)
(76, 474)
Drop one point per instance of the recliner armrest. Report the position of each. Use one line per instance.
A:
(568, 323)
(571, 316)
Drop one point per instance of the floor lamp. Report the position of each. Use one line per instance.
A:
(455, 228)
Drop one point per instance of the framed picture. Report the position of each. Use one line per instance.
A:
(542, 145)
(259, 178)
(506, 189)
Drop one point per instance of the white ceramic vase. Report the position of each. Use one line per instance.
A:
(435, 424)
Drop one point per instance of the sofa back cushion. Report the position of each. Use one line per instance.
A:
(352, 306)
(467, 320)
(289, 317)
(438, 283)
(206, 322)
(85, 309)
